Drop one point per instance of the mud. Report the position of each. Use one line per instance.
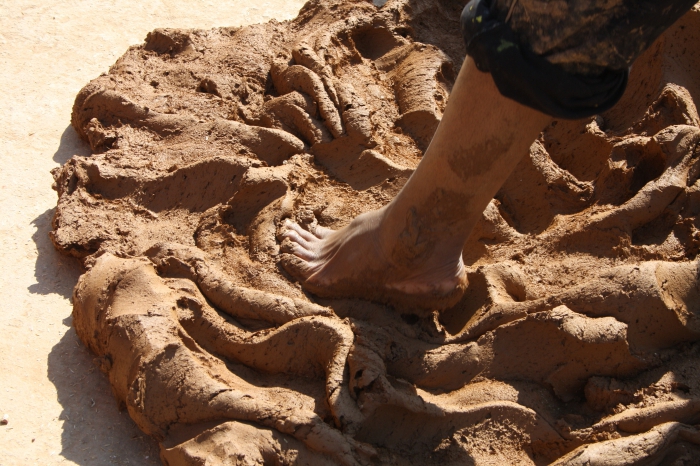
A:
(576, 342)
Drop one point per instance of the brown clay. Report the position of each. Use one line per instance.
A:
(575, 343)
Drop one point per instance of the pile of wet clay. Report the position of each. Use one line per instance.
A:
(577, 342)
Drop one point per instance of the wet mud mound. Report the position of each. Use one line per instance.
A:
(577, 340)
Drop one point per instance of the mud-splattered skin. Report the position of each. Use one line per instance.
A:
(465, 166)
(418, 241)
(575, 342)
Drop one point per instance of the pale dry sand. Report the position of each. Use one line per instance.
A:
(60, 408)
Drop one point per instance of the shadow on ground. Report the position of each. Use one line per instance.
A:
(53, 272)
(70, 145)
(95, 432)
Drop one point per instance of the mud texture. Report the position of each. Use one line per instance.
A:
(577, 340)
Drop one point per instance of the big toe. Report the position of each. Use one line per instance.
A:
(290, 246)
(295, 266)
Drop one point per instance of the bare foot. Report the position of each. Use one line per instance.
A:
(354, 262)
(410, 251)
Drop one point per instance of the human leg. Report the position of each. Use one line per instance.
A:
(410, 250)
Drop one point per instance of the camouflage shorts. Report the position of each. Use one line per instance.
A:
(565, 58)
(587, 36)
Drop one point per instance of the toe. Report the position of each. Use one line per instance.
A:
(322, 232)
(296, 267)
(297, 238)
(290, 246)
(307, 235)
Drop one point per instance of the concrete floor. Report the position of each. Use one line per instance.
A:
(60, 407)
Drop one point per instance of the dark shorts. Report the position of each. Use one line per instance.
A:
(578, 50)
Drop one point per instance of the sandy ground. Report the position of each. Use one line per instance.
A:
(60, 408)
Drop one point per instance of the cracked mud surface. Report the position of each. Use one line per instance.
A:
(576, 342)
